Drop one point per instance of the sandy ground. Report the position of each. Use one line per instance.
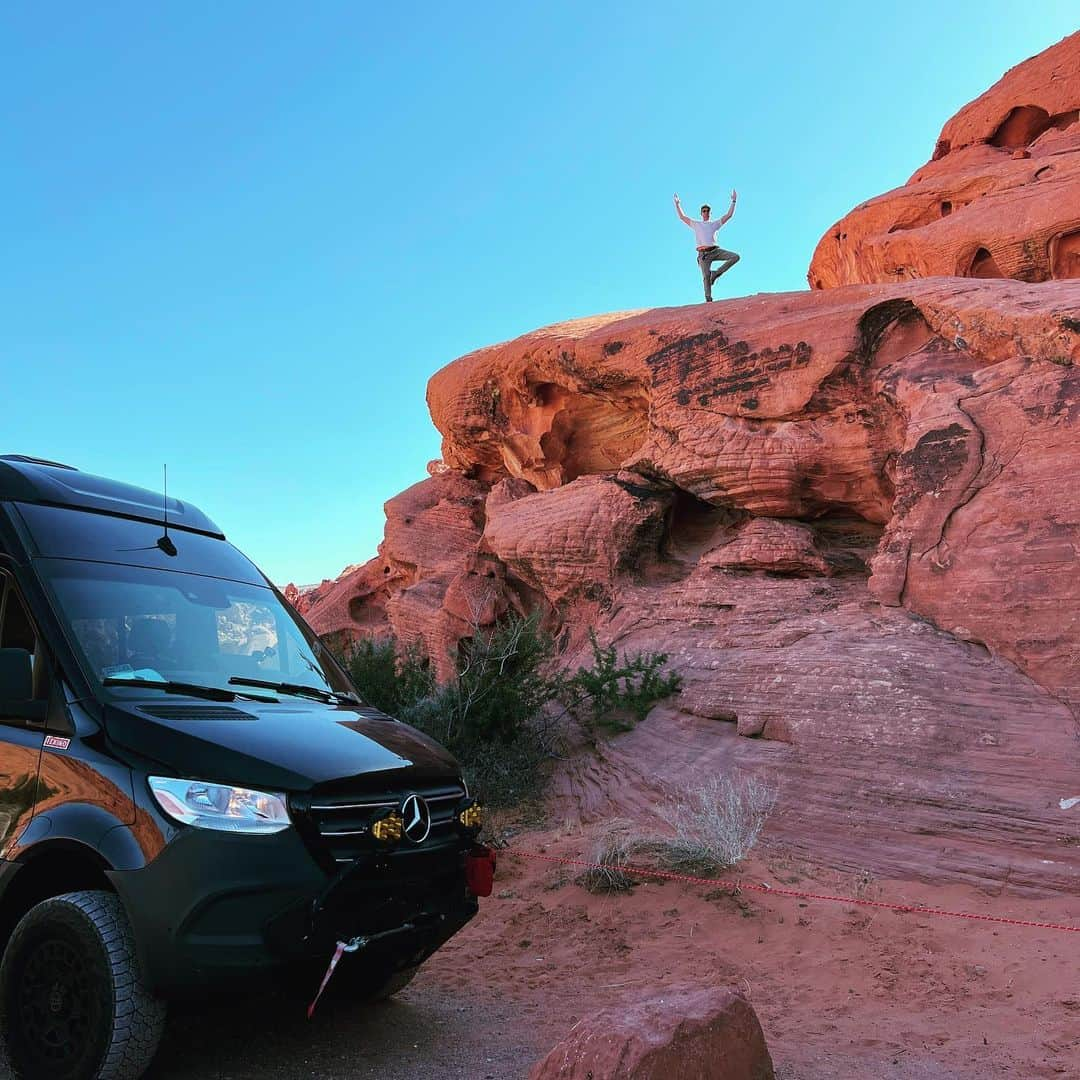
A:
(841, 991)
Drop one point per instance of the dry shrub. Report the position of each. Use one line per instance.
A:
(614, 848)
(715, 825)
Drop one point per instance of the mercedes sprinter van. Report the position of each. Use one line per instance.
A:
(192, 793)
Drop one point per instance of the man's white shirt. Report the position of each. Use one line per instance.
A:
(704, 231)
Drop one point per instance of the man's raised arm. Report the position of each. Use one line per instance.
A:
(679, 210)
(731, 209)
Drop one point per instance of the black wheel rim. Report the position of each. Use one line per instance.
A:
(57, 1007)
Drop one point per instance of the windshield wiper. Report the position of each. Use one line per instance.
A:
(299, 689)
(213, 693)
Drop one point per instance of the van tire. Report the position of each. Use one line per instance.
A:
(73, 1005)
(389, 987)
(361, 986)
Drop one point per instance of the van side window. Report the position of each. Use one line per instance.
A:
(17, 632)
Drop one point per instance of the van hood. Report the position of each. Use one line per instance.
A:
(293, 746)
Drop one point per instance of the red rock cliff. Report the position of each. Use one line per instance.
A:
(848, 514)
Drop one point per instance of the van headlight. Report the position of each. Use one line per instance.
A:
(218, 806)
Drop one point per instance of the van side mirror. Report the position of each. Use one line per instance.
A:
(17, 687)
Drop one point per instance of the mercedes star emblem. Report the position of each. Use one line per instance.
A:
(417, 818)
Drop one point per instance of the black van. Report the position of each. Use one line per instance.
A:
(191, 791)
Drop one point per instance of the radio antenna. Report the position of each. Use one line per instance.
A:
(165, 541)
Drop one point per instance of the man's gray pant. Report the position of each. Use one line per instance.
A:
(706, 257)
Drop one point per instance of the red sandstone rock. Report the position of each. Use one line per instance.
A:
(998, 199)
(295, 597)
(847, 515)
(703, 1035)
(780, 547)
(803, 406)
(1031, 99)
(579, 537)
(917, 429)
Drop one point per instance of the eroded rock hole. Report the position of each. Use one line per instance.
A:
(916, 219)
(1065, 120)
(847, 541)
(589, 433)
(1065, 256)
(983, 265)
(1023, 125)
(694, 525)
(368, 613)
(879, 319)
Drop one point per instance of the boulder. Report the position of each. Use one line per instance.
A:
(779, 547)
(577, 538)
(709, 1034)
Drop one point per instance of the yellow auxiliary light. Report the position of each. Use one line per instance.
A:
(471, 817)
(388, 829)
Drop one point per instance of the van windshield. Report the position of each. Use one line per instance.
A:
(131, 622)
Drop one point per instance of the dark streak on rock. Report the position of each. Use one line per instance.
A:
(938, 456)
(640, 492)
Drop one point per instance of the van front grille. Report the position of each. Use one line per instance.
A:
(342, 820)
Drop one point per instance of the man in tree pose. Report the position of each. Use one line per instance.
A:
(707, 251)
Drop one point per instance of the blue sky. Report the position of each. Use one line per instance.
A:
(239, 237)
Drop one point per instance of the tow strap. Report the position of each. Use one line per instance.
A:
(342, 948)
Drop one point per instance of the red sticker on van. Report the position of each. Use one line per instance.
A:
(57, 742)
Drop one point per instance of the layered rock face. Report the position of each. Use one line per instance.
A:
(999, 198)
(847, 514)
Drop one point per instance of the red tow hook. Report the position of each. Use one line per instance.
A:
(480, 870)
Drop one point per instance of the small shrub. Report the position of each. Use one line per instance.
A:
(389, 679)
(499, 772)
(615, 696)
(493, 715)
(490, 715)
(613, 849)
(715, 825)
(500, 687)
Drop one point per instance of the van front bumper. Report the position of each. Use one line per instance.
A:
(214, 909)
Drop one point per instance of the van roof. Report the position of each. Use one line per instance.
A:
(33, 480)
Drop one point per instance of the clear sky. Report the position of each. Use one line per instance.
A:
(239, 237)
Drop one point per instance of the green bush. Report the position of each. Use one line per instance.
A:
(491, 715)
(495, 715)
(616, 696)
(388, 678)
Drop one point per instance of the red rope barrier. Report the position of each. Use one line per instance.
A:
(738, 886)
